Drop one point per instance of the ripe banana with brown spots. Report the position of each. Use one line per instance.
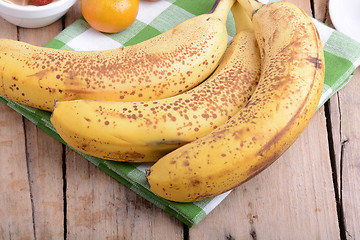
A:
(281, 107)
(146, 131)
(166, 65)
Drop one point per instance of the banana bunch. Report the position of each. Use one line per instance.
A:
(286, 98)
(145, 131)
(164, 66)
(205, 139)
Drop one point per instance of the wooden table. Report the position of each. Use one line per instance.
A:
(312, 192)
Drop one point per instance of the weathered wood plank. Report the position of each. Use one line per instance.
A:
(334, 118)
(16, 206)
(45, 173)
(321, 10)
(292, 199)
(44, 159)
(304, 5)
(73, 14)
(334, 122)
(345, 121)
(40, 36)
(336, 139)
(292, 195)
(98, 207)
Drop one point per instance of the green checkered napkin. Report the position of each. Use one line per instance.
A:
(342, 56)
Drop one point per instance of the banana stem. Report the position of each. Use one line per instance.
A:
(250, 6)
(221, 8)
(242, 20)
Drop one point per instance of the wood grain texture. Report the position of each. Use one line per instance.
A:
(44, 159)
(344, 117)
(42, 188)
(98, 207)
(345, 120)
(73, 14)
(304, 5)
(46, 182)
(292, 199)
(334, 133)
(320, 10)
(350, 165)
(16, 206)
(16, 221)
(293, 194)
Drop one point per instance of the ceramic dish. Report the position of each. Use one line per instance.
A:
(34, 16)
(345, 16)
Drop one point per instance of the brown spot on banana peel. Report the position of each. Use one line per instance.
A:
(262, 165)
(186, 163)
(194, 181)
(255, 169)
(126, 156)
(289, 125)
(195, 110)
(317, 62)
(300, 115)
(62, 64)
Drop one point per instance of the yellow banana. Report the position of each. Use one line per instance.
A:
(146, 131)
(292, 75)
(163, 66)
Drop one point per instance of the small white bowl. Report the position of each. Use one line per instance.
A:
(34, 16)
(345, 16)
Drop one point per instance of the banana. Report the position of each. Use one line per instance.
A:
(163, 66)
(286, 98)
(146, 131)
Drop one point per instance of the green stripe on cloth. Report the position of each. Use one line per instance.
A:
(341, 58)
(129, 33)
(55, 43)
(348, 48)
(71, 32)
(178, 15)
(197, 8)
(145, 34)
(334, 74)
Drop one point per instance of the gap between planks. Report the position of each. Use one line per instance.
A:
(64, 190)
(336, 173)
(28, 176)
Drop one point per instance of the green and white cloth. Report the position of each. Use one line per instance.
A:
(342, 56)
